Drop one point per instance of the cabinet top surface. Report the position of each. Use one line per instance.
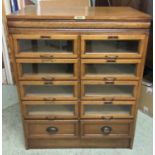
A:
(71, 13)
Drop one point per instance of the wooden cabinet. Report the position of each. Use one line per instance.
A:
(78, 73)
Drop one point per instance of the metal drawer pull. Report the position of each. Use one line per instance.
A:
(108, 99)
(106, 130)
(48, 83)
(47, 78)
(111, 58)
(109, 79)
(52, 130)
(108, 102)
(113, 37)
(109, 82)
(45, 37)
(46, 56)
(107, 117)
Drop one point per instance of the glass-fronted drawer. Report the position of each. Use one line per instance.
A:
(100, 69)
(109, 90)
(107, 109)
(50, 109)
(113, 46)
(45, 46)
(47, 69)
(49, 90)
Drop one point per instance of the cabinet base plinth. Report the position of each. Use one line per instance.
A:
(78, 143)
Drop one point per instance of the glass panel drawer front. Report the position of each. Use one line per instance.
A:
(45, 46)
(49, 90)
(114, 90)
(47, 69)
(101, 69)
(111, 109)
(50, 109)
(112, 45)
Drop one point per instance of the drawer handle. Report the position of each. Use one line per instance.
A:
(109, 78)
(111, 58)
(106, 130)
(113, 37)
(108, 99)
(45, 37)
(107, 117)
(52, 130)
(109, 82)
(108, 102)
(48, 83)
(47, 78)
(49, 99)
(46, 56)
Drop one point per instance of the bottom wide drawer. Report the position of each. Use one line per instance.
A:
(106, 129)
(51, 129)
(79, 143)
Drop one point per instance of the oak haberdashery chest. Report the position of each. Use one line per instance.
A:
(78, 72)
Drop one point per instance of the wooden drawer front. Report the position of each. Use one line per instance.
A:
(51, 129)
(113, 46)
(49, 90)
(50, 109)
(79, 143)
(101, 69)
(46, 46)
(106, 129)
(107, 109)
(109, 90)
(47, 69)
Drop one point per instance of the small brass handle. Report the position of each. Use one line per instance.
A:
(109, 82)
(107, 117)
(52, 130)
(47, 78)
(46, 56)
(45, 37)
(113, 37)
(108, 102)
(106, 130)
(109, 78)
(111, 58)
(48, 83)
(108, 99)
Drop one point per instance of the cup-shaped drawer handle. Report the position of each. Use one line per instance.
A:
(106, 130)
(45, 37)
(48, 83)
(47, 78)
(46, 56)
(52, 130)
(107, 117)
(113, 37)
(108, 102)
(109, 78)
(109, 82)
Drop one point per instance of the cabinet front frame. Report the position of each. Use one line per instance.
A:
(49, 61)
(52, 116)
(66, 37)
(109, 55)
(48, 97)
(106, 116)
(117, 76)
(106, 97)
